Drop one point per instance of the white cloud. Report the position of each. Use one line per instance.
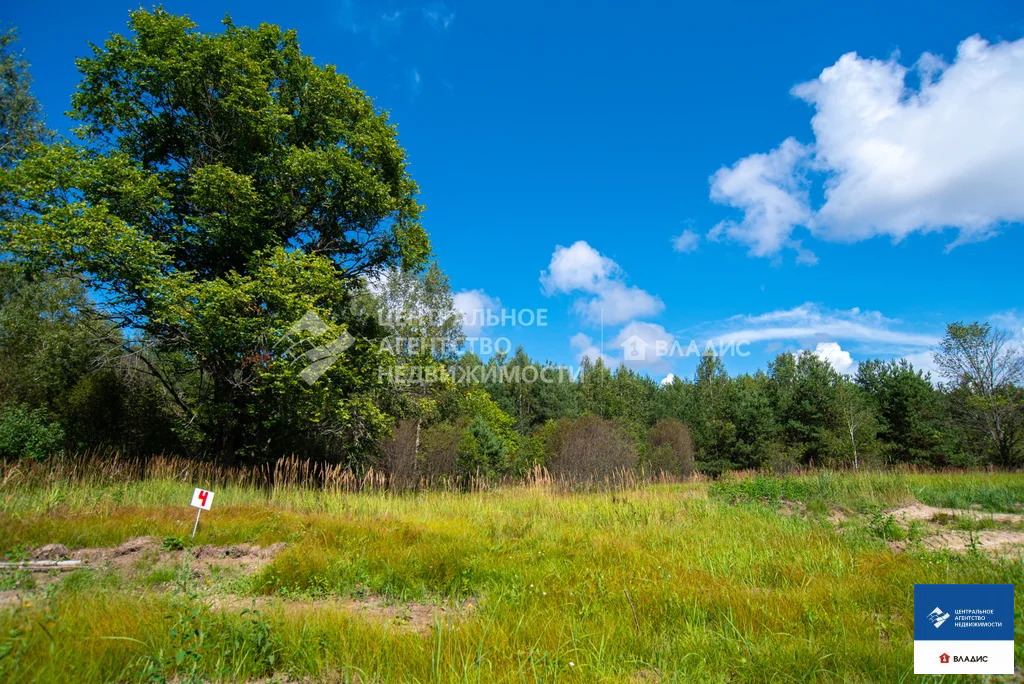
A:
(685, 242)
(586, 348)
(616, 302)
(810, 323)
(836, 356)
(474, 305)
(578, 267)
(896, 159)
(769, 190)
(925, 361)
(581, 268)
(1010, 321)
(644, 344)
(668, 379)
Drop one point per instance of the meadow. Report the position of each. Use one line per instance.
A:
(749, 578)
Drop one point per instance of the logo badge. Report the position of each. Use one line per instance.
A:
(963, 629)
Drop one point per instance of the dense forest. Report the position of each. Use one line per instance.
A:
(226, 201)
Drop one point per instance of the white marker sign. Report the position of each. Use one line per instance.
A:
(203, 500)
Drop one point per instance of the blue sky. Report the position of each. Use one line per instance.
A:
(620, 133)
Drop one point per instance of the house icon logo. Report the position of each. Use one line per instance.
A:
(938, 617)
(944, 658)
(634, 348)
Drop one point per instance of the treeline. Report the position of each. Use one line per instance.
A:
(801, 412)
(68, 386)
(227, 262)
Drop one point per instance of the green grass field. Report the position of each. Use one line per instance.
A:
(690, 582)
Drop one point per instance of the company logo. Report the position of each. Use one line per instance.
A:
(634, 348)
(938, 617)
(963, 629)
(946, 659)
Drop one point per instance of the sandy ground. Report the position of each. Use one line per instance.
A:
(239, 558)
(408, 616)
(919, 511)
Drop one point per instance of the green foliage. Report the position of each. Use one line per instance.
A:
(173, 543)
(913, 427)
(224, 186)
(671, 448)
(985, 368)
(21, 119)
(28, 433)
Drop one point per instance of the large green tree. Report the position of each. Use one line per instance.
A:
(21, 117)
(223, 186)
(985, 370)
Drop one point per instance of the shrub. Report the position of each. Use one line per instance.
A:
(28, 433)
(398, 455)
(481, 450)
(670, 448)
(590, 447)
(439, 448)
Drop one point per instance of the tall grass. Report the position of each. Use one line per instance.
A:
(862, 491)
(660, 582)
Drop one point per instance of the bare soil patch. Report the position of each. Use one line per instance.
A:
(408, 616)
(132, 552)
(1002, 542)
(999, 542)
(919, 511)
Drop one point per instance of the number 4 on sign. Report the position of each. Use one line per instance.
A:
(203, 500)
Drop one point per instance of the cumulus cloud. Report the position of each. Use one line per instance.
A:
(473, 306)
(668, 379)
(770, 191)
(893, 159)
(836, 356)
(643, 344)
(685, 242)
(585, 347)
(580, 268)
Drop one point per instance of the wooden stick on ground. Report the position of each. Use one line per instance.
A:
(42, 565)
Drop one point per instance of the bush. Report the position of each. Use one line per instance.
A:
(439, 448)
(670, 448)
(590, 448)
(530, 451)
(28, 433)
(481, 450)
(398, 455)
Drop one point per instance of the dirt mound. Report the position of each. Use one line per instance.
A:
(135, 546)
(999, 542)
(51, 552)
(919, 511)
(408, 616)
(141, 549)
